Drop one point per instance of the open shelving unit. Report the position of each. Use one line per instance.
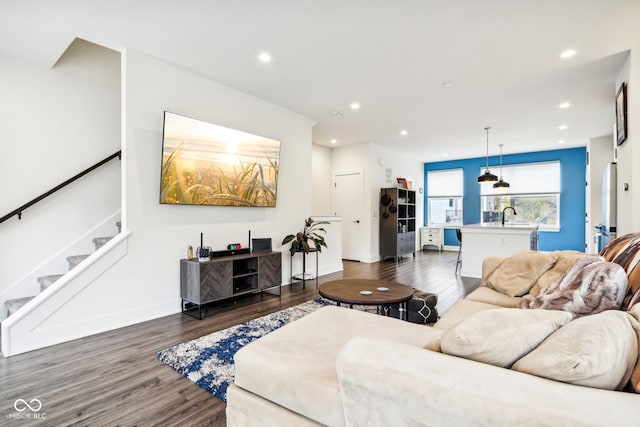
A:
(397, 223)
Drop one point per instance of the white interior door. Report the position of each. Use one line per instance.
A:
(349, 189)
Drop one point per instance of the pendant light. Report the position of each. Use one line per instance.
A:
(487, 177)
(501, 182)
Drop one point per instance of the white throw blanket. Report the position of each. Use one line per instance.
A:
(590, 286)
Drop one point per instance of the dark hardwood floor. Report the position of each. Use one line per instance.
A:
(114, 378)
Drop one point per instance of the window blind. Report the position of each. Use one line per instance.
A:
(531, 178)
(445, 183)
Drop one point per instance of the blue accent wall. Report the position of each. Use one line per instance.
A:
(572, 194)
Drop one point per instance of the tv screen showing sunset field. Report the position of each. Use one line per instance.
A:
(207, 164)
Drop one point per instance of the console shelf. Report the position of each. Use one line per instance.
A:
(221, 278)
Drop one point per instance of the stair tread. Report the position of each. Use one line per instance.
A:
(77, 257)
(74, 260)
(49, 277)
(99, 242)
(15, 304)
(46, 281)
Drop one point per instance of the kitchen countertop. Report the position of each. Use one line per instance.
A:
(496, 226)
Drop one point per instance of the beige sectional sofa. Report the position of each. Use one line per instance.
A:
(485, 362)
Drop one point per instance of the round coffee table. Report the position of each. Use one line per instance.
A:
(382, 293)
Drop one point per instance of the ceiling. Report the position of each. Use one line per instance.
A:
(502, 58)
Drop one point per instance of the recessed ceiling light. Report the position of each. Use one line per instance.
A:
(445, 155)
(264, 57)
(561, 141)
(355, 106)
(563, 127)
(564, 105)
(403, 132)
(334, 141)
(569, 53)
(447, 84)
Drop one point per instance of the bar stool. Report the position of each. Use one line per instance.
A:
(459, 261)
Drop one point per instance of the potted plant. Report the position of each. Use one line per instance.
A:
(310, 232)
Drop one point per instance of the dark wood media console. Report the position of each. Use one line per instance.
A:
(226, 277)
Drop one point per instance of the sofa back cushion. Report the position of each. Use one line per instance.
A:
(625, 252)
(515, 276)
(634, 382)
(501, 336)
(596, 351)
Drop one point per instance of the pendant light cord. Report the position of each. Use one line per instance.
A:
(487, 130)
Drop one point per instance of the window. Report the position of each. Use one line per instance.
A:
(534, 194)
(444, 192)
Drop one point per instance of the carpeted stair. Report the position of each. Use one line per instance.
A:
(14, 305)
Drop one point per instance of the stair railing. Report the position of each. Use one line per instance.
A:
(19, 210)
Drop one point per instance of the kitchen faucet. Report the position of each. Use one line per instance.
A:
(504, 210)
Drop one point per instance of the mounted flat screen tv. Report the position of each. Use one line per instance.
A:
(207, 164)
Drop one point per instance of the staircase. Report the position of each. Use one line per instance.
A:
(14, 305)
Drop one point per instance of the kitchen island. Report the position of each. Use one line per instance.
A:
(491, 239)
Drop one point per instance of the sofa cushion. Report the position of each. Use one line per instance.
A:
(634, 382)
(248, 410)
(501, 336)
(295, 365)
(588, 287)
(625, 251)
(597, 351)
(517, 274)
(490, 296)
(398, 385)
(460, 311)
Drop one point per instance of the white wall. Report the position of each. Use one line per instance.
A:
(59, 120)
(633, 95)
(600, 151)
(401, 165)
(145, 283)
(321, 194)
(628, 153)
(56, 122)
(626, 162)
(322, 207)
(372, 160)
(355, 159)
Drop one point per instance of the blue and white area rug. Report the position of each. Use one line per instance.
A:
(208, 361)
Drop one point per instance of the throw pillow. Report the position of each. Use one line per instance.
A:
(588, 287)
(501, 336)
(596, 351)
(635, 375)
(518, 273)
